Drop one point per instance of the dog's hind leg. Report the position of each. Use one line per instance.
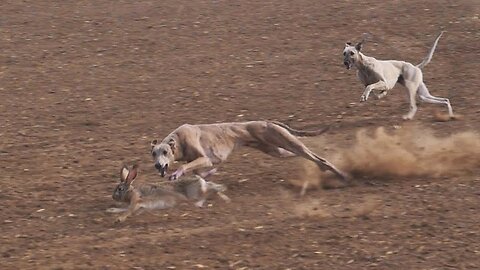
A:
(282, 139)
(281, 153)
(275, 151)
(425, 96)
(411, 91)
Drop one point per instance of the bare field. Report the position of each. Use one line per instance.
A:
(86, 85)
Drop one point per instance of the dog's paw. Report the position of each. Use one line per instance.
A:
(176, 175)
(363, 98)
(382, 94)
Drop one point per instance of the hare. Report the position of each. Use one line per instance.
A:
(150, 196)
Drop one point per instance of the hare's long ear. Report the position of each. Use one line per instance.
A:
(124, 173)
(132, 174)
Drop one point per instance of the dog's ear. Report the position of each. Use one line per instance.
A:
(173, 145)
(154, 142)
(124, 173)
(359, 46)
(348, 44)
(132, 174)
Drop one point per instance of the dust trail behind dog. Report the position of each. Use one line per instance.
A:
(408, 151)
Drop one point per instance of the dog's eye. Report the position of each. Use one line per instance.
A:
(154, 154)
(164, 152)
(344, 53)
(352, 53)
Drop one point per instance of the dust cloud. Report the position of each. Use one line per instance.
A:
(407, 151)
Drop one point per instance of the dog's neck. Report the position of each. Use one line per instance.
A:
(364, 62)
(178, 153)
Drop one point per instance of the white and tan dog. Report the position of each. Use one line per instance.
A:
(382, 75)
(204, 146)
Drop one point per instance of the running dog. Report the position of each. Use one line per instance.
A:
(203, 146)
(382, 75)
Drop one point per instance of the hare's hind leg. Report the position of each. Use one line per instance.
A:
(205, 189)
(224, 197)
(202, 192)
(219, 189)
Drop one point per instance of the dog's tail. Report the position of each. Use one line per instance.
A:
(430, 54)
(302, 133)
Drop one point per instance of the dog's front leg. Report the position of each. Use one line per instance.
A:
(378, 86)
(201, 162)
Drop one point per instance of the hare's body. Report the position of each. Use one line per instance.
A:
(167, 195)
(197, 188)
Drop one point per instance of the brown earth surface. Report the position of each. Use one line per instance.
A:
(85, 86)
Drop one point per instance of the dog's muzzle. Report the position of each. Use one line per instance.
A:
(161, 169)
(347, 64)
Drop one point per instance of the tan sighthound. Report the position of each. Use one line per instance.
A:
(204, 146)
(147, 196)
(380, 76)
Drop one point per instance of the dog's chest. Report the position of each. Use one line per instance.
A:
(367, 76)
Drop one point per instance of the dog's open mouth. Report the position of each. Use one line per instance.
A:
(348, 64)
(162, 170)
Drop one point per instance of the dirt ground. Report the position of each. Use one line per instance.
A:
(86, 85)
